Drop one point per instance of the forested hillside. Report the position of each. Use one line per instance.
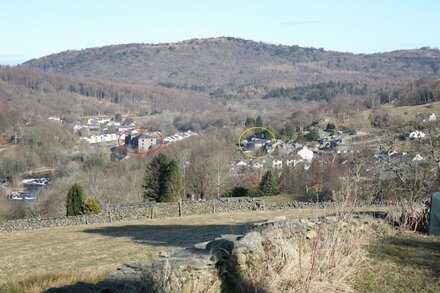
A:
(230, 63)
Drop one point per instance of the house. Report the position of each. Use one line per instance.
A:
(123, 128)
(342, 147)
(98, 120)
(417, 134)
(291, 162)
(306, 154)
(243, 164)
(140, 142)
(425, 117)
(418, 158)
(77, 127)
(273, 163)
(114, 123)
(55, 119)
(257, 165)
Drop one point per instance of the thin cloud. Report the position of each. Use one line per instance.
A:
(302, 22)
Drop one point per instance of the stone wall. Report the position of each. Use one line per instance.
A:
(144, 211)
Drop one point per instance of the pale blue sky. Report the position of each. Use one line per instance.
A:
(34, 28)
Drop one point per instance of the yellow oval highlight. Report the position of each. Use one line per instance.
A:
(253, 128)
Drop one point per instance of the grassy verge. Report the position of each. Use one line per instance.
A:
(401, 262)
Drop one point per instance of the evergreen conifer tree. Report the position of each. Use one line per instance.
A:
(172, 185)
(268, 184)
(259, 121)
(154, 177)
(75, 200)
(162, 181)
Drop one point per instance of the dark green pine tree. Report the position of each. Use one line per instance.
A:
(259, 121)
(75, 200)
(250, 122)
(268, 184)
(172, 183)
(162, 182)
(154, 177)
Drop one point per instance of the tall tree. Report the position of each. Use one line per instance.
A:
(75, 200)
(200, 176)
(300, 119)
(250, 122)
(221, 169)
(268, 184)
(118, 117)
(154, 177)
(162, 181)
(183, 161)
(172, 184)
(259, 121)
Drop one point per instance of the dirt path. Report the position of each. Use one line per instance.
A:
(97, 247)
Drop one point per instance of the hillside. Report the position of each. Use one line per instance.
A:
(206, 64)
(33, 92)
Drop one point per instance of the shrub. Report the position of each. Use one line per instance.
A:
(75, 200)
(91, 207)
(240, 191)
(330, 126)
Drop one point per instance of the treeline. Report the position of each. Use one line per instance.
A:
(423, 91)
(170, 85)
(319, 91)
(43, 81)
(125, 96)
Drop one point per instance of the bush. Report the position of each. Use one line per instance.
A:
(91, 207)
(240, 191)
(330, 126)
(313, 135)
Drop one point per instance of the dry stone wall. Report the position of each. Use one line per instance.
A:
(144, 211)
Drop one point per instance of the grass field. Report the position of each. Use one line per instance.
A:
(32, 261)
(401, 262)
(409, 112)
(284, 198)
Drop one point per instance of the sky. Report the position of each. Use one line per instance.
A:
(35, 28)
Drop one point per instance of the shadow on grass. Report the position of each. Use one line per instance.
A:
(414, 251)
(184, 236)
(170, 235)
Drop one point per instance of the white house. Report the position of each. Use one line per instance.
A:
(425, 117)
(257, 165)
(293, 162)
(306, 154)
(55, 119)
(241, 164)
(114, 123)
(124, 128)
(417, 134)
(418, 157)
(276, 164)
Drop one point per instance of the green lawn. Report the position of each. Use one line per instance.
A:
(401, 262)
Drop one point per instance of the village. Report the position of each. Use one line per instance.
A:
(118, 131)
(263, 153)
